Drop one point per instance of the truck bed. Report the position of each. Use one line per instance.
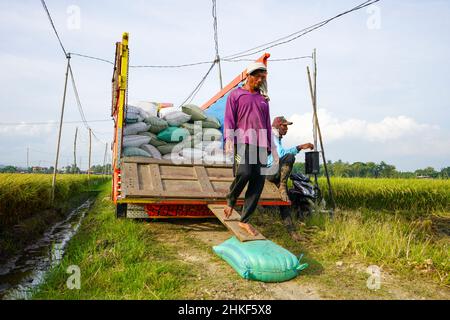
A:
(148, 180)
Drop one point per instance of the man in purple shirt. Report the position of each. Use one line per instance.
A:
(248, 134)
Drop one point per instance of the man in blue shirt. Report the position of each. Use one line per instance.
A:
(286, 163)
(286, 156)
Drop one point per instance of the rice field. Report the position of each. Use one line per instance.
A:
(422, 196)
(22, 195)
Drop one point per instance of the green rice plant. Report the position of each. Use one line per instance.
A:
(412, 195)
(22, 195)
(388, 240)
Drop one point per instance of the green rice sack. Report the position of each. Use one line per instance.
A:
(260, 260)
(134, 151)
(193, 127)
(194, 111)
(170, 147)
(173, 134)
(156, 124)
(211, 122)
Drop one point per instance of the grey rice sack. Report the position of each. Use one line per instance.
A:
(152, 150)
(135, 128)
(135, 140)
(176, 118)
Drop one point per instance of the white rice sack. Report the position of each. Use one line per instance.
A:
(150, 108)
(212, 147)
(218, 159)
(152, 150)
(176, 118)
(135, 128)
(135, 140)
(162, 112)
(192, 154)
(211, 134)
(193, 142)
(175, 158)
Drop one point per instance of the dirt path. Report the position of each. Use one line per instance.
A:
(193, 242)
(218, 280)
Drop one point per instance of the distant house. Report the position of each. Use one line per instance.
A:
(38, 169)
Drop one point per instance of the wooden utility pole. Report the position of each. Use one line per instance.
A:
(104, 159)
(313, 92)
(75, 151)
(315, 121)
(216, 40)
(220, 73)
(55, 169)
(90, 144)
(28, 158)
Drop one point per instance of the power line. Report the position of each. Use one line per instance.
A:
(90, 57)
(271, 60)
(296, 34)
(172, 66)
(199, 85)
(46, 123)
(191, 64)
(233, 57)
(54, 28)
(80, 107)
(143, 66)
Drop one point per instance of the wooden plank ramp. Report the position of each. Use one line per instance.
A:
(232, 223)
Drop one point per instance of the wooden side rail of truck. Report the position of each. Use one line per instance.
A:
(146, 187)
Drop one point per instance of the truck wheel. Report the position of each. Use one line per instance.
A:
(121, 210)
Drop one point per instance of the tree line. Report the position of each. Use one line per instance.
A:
(373, 170)
(335, 169)
(95, 169)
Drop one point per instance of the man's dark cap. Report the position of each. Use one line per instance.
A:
(278, 121)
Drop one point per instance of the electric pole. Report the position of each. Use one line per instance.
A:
(55, 169)
(90, 144)
(75, 151)
(104, 159)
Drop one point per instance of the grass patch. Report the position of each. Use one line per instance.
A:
(118, 259)
(409, 247)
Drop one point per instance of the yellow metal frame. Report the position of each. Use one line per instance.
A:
(123, 81)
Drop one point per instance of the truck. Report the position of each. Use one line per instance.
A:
(156, 188)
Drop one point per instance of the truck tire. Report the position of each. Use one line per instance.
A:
(121, 210)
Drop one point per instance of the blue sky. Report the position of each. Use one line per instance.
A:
(382, 88)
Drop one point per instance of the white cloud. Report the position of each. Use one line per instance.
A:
(24, 129)
(400, 135)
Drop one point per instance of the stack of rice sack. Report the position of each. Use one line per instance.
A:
(182, 135)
